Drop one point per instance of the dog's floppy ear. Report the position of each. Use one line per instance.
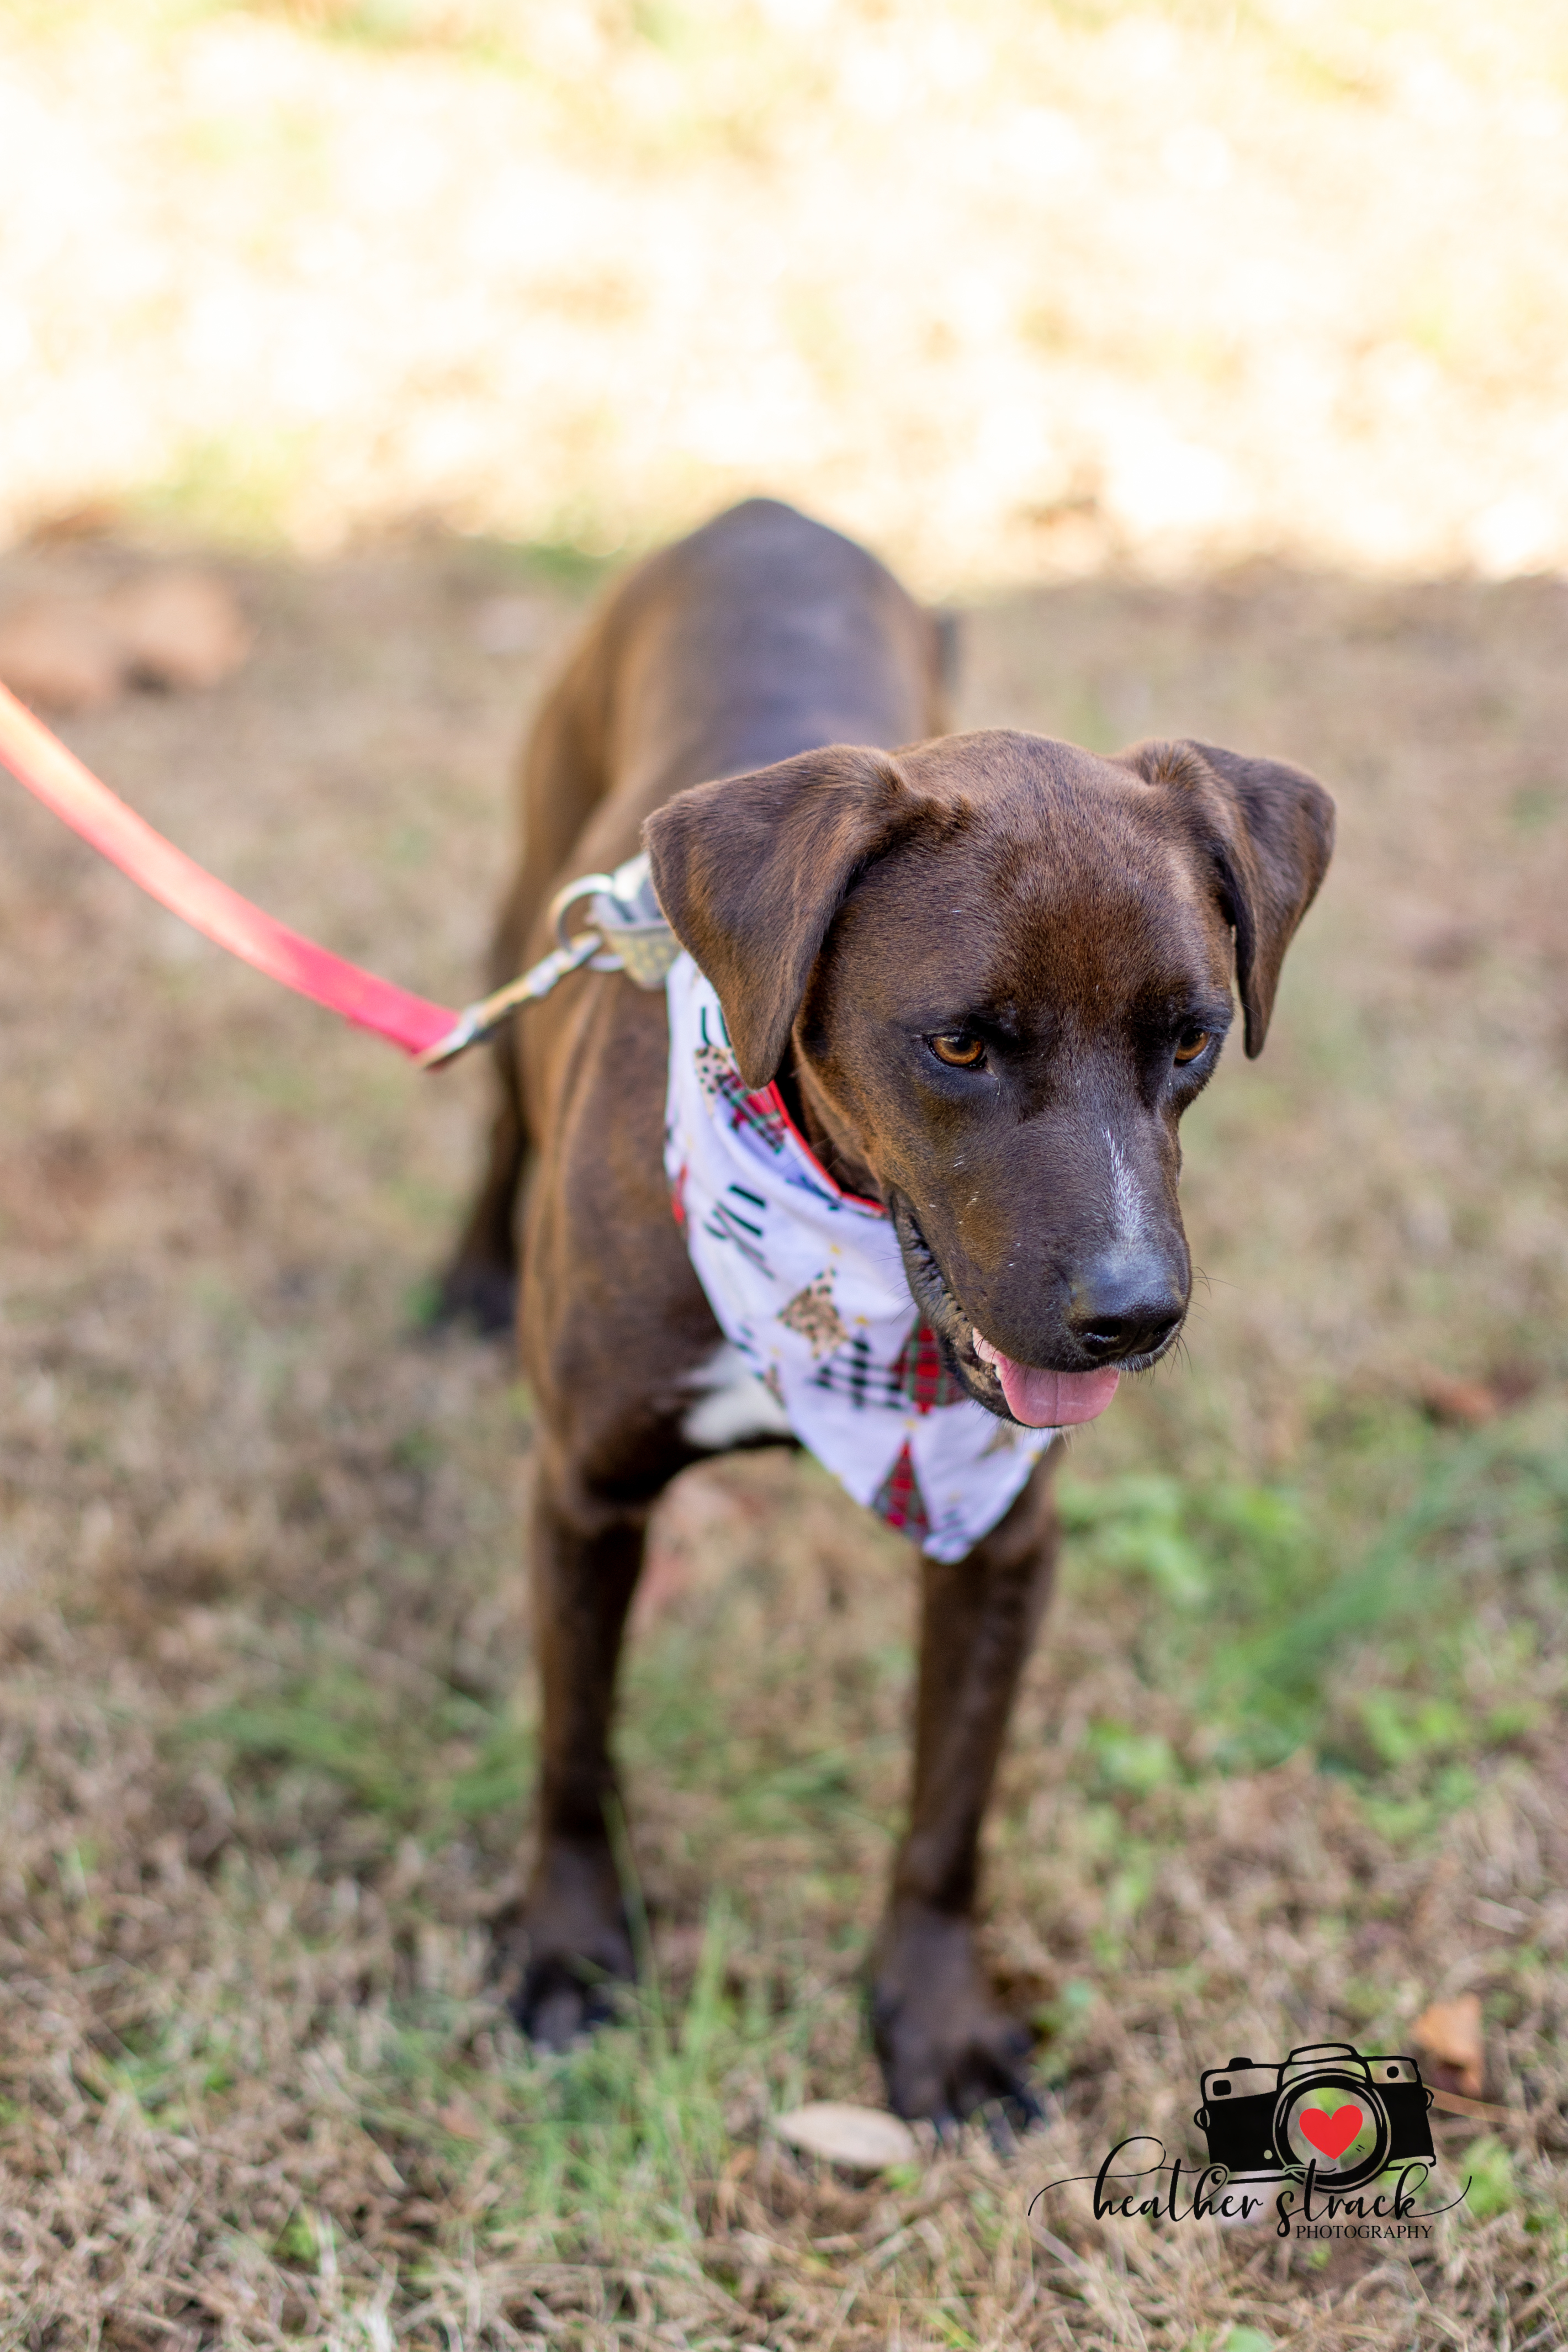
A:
(1269, 830)
(752, 870)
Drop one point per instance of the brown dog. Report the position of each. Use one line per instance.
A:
(989, 972)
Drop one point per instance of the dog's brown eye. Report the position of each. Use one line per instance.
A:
(1192, 1044)
(959, 1051)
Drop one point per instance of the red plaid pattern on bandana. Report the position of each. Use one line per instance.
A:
(920, 1375)
(898, 1499)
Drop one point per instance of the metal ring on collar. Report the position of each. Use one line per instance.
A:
(586, 886)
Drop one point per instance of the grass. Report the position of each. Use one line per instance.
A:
(1242, 1611)
(1288, 1763)
(1280, 1643)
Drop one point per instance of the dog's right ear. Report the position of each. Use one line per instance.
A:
(750, 872)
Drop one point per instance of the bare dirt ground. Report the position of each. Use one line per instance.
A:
(1291, 1761)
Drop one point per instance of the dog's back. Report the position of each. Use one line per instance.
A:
(762, 634)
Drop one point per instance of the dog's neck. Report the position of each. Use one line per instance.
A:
(826, 1130)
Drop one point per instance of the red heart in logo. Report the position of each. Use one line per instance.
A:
(1332, 2135)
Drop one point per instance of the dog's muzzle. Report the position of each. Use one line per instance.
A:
(1120, 1317)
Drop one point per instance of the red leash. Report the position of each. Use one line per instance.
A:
(41, 761)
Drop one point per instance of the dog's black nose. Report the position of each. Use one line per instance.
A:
(1124, 1303)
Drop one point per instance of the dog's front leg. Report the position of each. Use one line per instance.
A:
(586, 1553)
(946, 2046)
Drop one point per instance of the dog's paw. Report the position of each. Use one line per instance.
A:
(564, 1996)
(571, 1933)
(947, 2047)
(475, 1292)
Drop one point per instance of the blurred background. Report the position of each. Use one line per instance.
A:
(1212, 361)
(1016, 290)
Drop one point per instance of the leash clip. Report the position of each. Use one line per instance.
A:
(627, 933)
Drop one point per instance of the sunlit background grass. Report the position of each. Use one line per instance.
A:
(1015, 288)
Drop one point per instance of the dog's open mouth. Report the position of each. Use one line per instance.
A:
(1013, 1391)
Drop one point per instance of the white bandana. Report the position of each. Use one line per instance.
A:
(808, 1283)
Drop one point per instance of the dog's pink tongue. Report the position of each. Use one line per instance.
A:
(1053, 1400)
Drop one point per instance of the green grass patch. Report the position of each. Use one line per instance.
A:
(423, 1768)
(613, 2146)
(235, 488)
(1278, 1629)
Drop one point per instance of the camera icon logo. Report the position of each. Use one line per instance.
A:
(1324, 2105)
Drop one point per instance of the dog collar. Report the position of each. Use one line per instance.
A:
(625, 931)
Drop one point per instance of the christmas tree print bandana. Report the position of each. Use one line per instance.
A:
(808, 1283)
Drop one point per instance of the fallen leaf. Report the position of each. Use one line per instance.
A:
(60, 653)
(674, 1559)
(1450, 2034)
(1466, 1405)
(867, 2139)
(463, 2120)
(91, 518)
(179, 627)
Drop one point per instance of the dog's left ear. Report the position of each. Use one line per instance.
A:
(752, 870)
(1269, 830)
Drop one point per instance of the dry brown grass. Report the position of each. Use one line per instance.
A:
(1290, 1763)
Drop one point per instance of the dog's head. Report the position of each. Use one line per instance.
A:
(997, 969)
